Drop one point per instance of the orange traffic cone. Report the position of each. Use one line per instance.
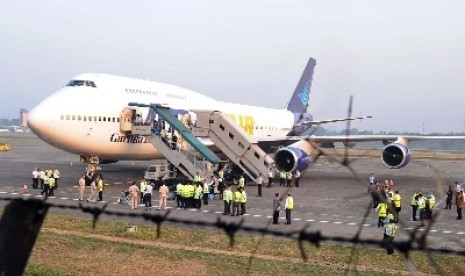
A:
(25, 189)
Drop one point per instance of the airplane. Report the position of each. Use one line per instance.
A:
(83, 118)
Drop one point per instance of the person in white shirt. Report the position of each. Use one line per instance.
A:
(259, 184)
(147, 196)
(35, 178)
(41, 177)
(270, 177)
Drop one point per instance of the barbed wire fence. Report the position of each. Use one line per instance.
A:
(23, 217)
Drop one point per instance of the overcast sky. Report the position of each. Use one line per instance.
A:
(403, 61)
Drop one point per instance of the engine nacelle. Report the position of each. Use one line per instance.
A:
(294, 157)
(395, 156)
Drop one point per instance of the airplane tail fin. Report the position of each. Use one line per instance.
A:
(299, 100)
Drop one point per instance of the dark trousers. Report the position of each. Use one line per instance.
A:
(414, 212)
(282, 181)
(235, 211)
(148, 200)
(56, 183)
(381, 221)
(288, 216)
(227, 208)
(448, 203)
(275, 217)
(198, 203)
(100, 195)
(388, 244)
(459, 212)
(35, 183)
(259, 189)
(205, 199)
(297, 183)
(178, 200)
(41, 184)
(46, 189)
(396, 215)
(242, 208)
(270, 181)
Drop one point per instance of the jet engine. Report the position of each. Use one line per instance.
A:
(395, 155)
(294, 157)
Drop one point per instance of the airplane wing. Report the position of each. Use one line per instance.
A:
(269, 144)
(312, 123)
(291, 153)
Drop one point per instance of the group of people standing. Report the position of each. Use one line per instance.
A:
(48, 180)
(143, 193)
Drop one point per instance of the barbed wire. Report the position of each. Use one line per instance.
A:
(416, 242)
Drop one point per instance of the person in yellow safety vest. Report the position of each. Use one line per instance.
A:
(48, 172)
(197, 195)
(197, 177)
(237, 202)
(143, 185)
(51, 184)
(206, 192)
(414, 205)
(241, 182)
(231, 199)
(390, 230)
(288, 207)
(56, 176)
(190, 195)
(431, 202)
(227, 201)
(243, 200)
(382, 211)
(179, 194)
(100, 188)
(288, 179)
(282, 178)
(46, 188)
(396, 203)
(421, 203)
(185, 195)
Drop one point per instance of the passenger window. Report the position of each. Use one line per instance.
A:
(62, 117)
(84, 118)
(67, 117)
(99, 118)
(90, 118)
(73, 117)
(79, 117)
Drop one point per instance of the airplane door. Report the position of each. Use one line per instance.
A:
(126, 120)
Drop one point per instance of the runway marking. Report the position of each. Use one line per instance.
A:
(252, 215)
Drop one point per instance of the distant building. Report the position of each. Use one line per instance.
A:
(23, 117)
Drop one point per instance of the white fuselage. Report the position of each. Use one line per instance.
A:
(84, 119)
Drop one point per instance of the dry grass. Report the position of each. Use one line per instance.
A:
(109, 249)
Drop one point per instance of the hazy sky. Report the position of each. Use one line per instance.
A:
(403, 61)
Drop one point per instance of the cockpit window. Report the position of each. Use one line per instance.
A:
(81, 83)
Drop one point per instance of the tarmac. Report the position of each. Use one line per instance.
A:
(332, 198)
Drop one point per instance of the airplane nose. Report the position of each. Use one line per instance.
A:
(38, 121)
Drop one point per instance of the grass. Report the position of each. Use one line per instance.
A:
(70, 246)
